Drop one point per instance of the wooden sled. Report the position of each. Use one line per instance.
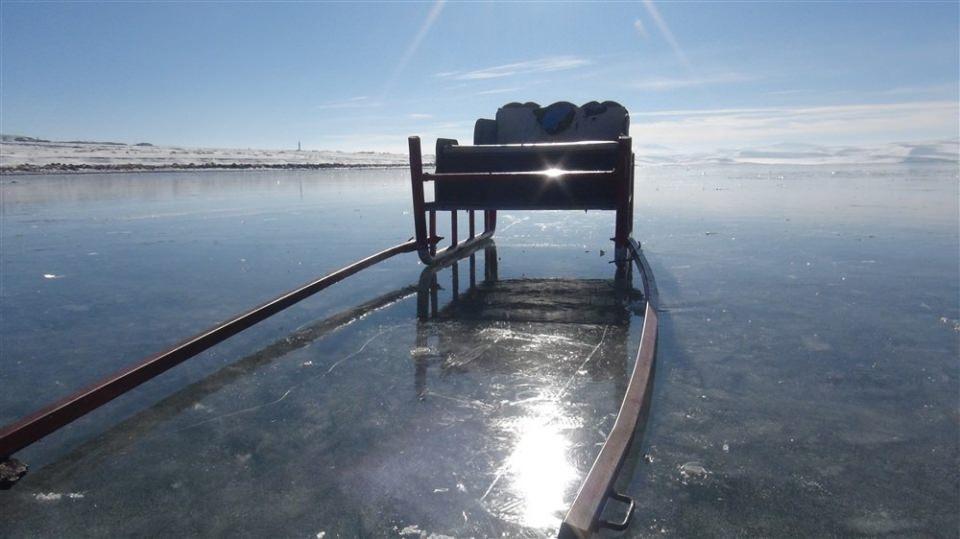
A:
(559, 157)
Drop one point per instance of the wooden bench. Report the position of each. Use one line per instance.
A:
(560, 157)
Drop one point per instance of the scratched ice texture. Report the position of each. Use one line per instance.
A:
(806, 379)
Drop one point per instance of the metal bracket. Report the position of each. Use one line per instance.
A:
(623, 524)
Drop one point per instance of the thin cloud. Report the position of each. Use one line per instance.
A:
(541, 65)
(835, 124)
(351, 103)
(641, 29)
(666, 32)
(413, 46)
(788, 92)
(671, 83)
(498, 91)
(459, 124)
(928, 89)
(419, 116)
(701, 112)
(392, 136)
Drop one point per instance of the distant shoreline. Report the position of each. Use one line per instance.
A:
(83, 168)
(23, 156)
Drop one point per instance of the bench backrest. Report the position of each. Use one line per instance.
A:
(530, 138)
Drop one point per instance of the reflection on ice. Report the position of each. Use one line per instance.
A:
(534, 348)
(479, 417)
(538, 471)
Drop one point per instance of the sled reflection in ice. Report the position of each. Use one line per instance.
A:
(553, 347)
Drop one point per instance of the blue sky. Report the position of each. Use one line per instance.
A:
(695, 76)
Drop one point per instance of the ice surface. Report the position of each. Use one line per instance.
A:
(807, 357)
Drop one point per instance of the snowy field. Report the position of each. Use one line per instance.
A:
(85, 156)
(810, 154)
(36, 156)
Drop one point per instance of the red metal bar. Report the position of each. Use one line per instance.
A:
(453, 228)
(583, 518)
(416, 183)
(455, 279)
(473, 270)
(624, 163)
(35, 426)
(630, 192)
(490, 223)
(433, 232)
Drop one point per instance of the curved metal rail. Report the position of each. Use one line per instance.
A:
(584, 517)
(51, 418)
(582, 520)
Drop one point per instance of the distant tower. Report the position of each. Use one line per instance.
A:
(298, 145)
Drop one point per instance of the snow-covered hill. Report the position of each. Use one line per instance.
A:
(942, 151)
(28, 155)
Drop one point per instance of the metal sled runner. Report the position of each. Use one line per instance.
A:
(560, 157)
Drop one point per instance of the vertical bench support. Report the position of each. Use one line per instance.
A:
(433, 232)
(489, 220)
(624, 219)
(453, 228)
(419, 213)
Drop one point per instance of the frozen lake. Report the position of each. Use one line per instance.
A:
(806, 379)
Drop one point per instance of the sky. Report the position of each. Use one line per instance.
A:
(348, 76)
